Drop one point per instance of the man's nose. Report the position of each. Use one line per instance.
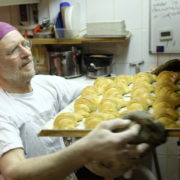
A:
(24, 51)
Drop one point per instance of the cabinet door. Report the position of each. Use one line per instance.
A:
(16, 2)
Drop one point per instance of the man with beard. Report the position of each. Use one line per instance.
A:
(27, 102)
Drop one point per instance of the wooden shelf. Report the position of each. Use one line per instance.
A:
(78, 41)
(56, 41)
(105, 40)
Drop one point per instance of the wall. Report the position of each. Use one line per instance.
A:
(136, 15)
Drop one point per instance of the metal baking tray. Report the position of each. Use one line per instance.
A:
(80, 130)
(81, 133)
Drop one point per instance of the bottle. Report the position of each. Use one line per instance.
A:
(59, 20)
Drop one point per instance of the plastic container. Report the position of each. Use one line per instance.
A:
(61, 33)
(44, 35)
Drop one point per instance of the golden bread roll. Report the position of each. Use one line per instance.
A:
(88, 101)
(138, 100)
(67, 120)
(134, 106)
(169, 84)
(126, 79)
(154, 77)
(111, 103)
(139, 92)
(175, 98)
(169, 112)
(120, 102)
(160, 105)
(141, 79)
(112, 92)
(166, 120)
(96, 117)
(121, 88)
(101, 83)
(149, 87)
(83, 113)
(147, 95)
(163, 91)
(170, 75)
(146, 101)
(89, 90)
(108, 104)
(143, 76)
(165, 99)
(172, 98)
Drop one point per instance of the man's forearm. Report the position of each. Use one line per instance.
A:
(54, 166)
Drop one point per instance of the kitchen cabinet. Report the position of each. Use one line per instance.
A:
(16, 2)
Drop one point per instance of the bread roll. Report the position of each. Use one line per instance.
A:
(89, 90)
(67, 120)
(96, 117)
(85, 105)
(107, 104)
(140, 92)
(120, 88)
(166, 120)
(149, 87)
(101, 83)
(126, 79)
(170, 75)
(165, 112)
(143, 76)
(134, 106)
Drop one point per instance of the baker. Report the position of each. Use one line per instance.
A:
(28, 101)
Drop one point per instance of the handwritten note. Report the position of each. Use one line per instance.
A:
(165, 8)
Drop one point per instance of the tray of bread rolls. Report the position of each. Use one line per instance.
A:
(110, 98)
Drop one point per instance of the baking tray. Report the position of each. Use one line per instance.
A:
(80, 131)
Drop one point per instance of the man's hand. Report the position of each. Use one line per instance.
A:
(107, 148)
(104, 142)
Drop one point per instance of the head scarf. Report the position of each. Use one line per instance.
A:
(5, 28)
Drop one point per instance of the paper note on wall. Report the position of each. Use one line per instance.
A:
(164, 26)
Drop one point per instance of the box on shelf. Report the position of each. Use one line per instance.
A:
(106, 28)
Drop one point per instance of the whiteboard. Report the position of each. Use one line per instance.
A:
(165, 26)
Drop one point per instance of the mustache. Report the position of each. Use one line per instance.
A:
(26, 61)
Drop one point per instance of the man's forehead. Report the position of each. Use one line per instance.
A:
(5, 28)
(10, 39)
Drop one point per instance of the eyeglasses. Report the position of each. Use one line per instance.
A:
(15, 51)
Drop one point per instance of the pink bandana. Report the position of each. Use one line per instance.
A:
(5, 28)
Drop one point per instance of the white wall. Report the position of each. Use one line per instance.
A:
(136, 15)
